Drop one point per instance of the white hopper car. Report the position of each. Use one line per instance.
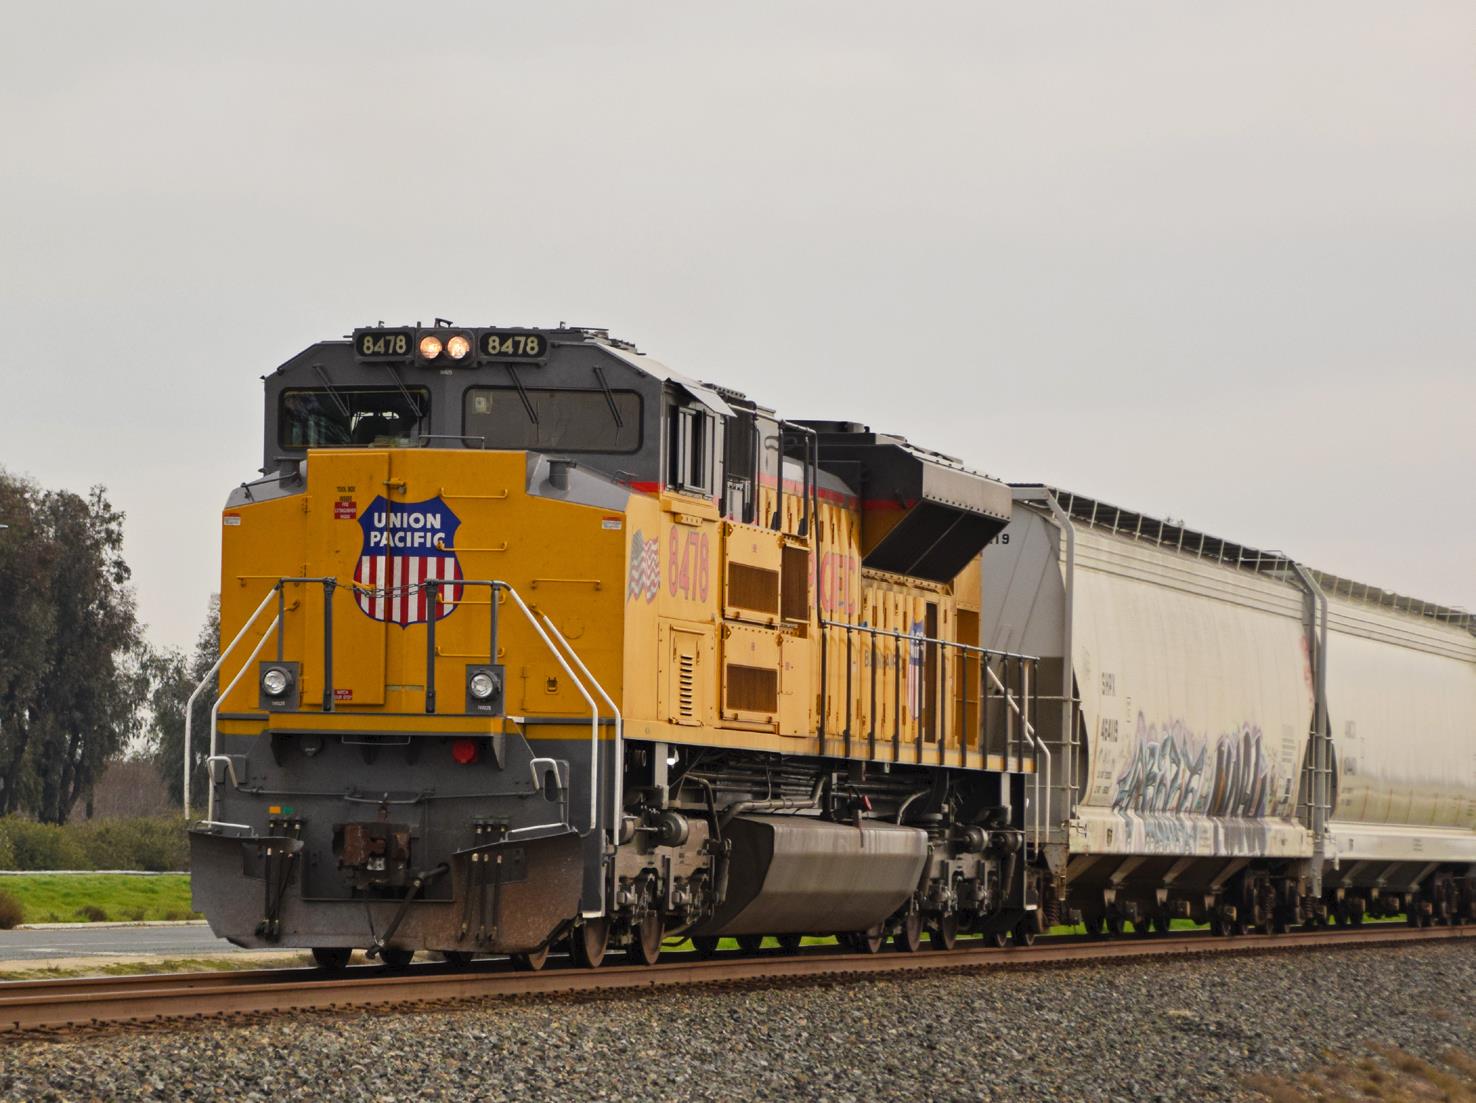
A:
(1248, 741)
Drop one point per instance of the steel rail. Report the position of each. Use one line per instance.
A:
(60, 1004)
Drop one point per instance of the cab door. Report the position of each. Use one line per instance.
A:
(346, 491)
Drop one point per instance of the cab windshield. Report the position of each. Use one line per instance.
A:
(349, 417)
(542, 419)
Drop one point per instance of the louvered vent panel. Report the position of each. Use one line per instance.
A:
(686, 675)
(752, 689)
(753, 588)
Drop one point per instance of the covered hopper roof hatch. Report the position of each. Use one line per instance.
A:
(924, 514)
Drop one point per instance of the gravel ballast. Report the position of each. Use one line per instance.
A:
(1137, 1030)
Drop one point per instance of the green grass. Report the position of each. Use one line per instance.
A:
(82, 898)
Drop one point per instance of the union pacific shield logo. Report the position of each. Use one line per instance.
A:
(405, 544)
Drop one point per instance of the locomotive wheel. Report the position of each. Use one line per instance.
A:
(532, 961)
(331, 957)
(909, 936)
(705, 944)
(396, 958)
(944, 935)
(457, 959)
(790, 943)
(645, 947)
(1023, 934)
(589, 942)
(750, 943)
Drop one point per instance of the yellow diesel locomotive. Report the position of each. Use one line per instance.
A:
(531, 643)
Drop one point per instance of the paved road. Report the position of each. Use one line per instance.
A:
(86, 941)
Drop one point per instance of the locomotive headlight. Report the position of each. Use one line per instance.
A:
(430, 346)
(483, 686)
(274, 681)
(458, 347)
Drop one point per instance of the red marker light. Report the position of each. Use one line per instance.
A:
(464, 751)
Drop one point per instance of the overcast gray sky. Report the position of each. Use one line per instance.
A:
(1210, 260)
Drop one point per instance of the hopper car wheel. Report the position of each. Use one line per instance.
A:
(1023, 934)
(864, 942)
(705, 944)
(750, 943)
(457, 959)
(1217, 926)
(589, 942)
(790, 943)
(331, 957)
(944, 934)
(396, 958)
(532, 961)
(1143, 927)
(997, 939)
(909, 935)
(645, 945)
(1115, 925)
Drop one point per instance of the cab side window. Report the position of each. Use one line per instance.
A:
(690, 462)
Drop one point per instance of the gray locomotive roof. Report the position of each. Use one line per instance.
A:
(1167, 533)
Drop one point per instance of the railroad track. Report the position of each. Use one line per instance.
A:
(60, 1005)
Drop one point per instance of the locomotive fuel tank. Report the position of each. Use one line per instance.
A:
(806, 875)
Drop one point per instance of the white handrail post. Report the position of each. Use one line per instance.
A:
(618, 766)
(209, 677)
(215, 712)
(594, 709)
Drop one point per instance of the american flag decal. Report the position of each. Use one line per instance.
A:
(406, 545)
(645, 568)
(916, 649)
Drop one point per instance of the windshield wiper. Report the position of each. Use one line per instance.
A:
(609, 397)
(333, 391)
(523, 394)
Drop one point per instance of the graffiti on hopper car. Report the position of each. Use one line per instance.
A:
(1177, 775)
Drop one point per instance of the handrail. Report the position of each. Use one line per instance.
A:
(890, 633)
(617, 767)
(199, 689)
(594, 710)
(1016, 704)
(1027, 729)
(215, 713)
(494, 585)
